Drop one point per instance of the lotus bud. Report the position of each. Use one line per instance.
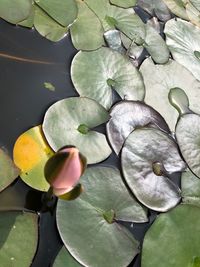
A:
(64, 169)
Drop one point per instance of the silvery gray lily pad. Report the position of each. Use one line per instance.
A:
(89, 225)
(124, 3)
(147, 157)
(154, 23)
(70, 122)
(183, 40)
(64, 258)
(190, 186)
(128, 115)
(113, 39)
(177, 7)
(193, 14)
(173, 239)
(95, 74)
(159, 79)
(196, 4)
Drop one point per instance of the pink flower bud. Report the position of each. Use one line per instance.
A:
(64, 169)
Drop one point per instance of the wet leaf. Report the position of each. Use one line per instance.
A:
(128, 115)
(193, 14)
(113, 39)
(19, 237)
(124, 3)
(8, 171)
(86, 31)
(83, 227)
(92, 71)
(30, 154)
(64, 258)
(173, 239)
(159, 79)
(143, 150)
(62, 127)
(48, 27)
(183, 39)
(15, 11)
(49, 86)
(63, 11)
(177, 7)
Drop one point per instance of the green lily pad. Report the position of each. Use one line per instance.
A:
(124, 3)
(30, 154)
(96, 73)
(147, 157)
(19, 237)
(195, 3)
(63, 11)
(193, 14)
(29, 21)
(8, 171)
(128, 115)
(177, 7)
(183, 39)
(86, 31)
(173, 239)
(64, 258)
(88, 225)
(66, 121)
(15, 11)
(190, 185)
(113, 39)
(159, 79)
(48, 27)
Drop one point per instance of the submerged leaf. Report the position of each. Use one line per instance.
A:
(64, 258)
(173, 239)
(105, 195)
(92, 72)
(49, 86)
(143, 149)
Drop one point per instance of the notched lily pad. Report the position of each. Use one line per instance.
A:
(173, 239)
(148, 156)
(92, 73)
(126, 116)
(64, 258)
(70, 122)
(89, 225)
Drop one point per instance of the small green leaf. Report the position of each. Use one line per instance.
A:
(109, 216)
(179, 99)
(111, 82)
(82, 128)
(49, 86)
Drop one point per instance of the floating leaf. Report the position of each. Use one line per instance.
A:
(86, 31)
(95, 73)
(48, 27)
(28, 22)
(159, 79)
(8, 171)
(15, 11)
(64, 123)
(30, 153)
(64, 258)
(88, 225)
(124, 3)
(49, 86)
(183, 39)
(128, 115)
(173, 239)
(63, 11)
(148, 156)
(190, 186)
(113, 39)
(177, 7)
(19, 237)
(195, 3)
(193, 14)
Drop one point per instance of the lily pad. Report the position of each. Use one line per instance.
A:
(15, 11)
(190, 185)
(70, 122)
(86, 31)
(195, 3)
(173, 239)
(30, 154)
(124, 3)
(113, 39)
(177, 7)
(8, 171)
(89, 225)
(183, 40)
(63, 11)
(64, 258)
(19, 237)
(148, 156)
(48, 27)
(128, 115)
(29, 21)
(193, 14)
(96, 73)
(159, 79)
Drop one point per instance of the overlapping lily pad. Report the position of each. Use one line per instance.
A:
(128, 115)
(70, 122)
(30, 153)
(64, 258)
(148, 156)
(183, 40)
(159, 79)
(177, 7)
(8, 171)
(173, 239)
(19, 237)
(193, 13)
(88, 225)
(124, 3)
(96, 73)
